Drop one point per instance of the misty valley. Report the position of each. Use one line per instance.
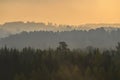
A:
(64, 53)
(59, 39)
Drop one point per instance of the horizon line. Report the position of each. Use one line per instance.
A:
(46, 23)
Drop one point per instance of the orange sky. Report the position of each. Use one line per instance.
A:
(61, 11)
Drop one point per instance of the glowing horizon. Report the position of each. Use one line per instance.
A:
(73, 12)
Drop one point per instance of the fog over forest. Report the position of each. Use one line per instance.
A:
(10, 28)
(39, 51)
(40, 35)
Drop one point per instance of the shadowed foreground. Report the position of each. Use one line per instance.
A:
(59, 64)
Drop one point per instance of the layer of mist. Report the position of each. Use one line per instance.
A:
(11, 28)
(75, 39)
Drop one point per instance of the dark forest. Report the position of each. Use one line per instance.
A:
(61, 63)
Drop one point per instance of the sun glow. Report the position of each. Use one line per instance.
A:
(61, 11)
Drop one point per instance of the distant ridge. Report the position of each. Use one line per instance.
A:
(75, 39)
(10, 28)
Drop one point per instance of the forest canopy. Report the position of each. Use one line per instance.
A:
(61, 63)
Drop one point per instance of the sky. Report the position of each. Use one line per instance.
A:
(73, 12)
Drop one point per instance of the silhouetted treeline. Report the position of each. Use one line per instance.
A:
(99, 38)
(10, 28)
(59, 64)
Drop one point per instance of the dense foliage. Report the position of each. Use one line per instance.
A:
(59, 64)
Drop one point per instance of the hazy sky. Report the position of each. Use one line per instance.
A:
(61, 11)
